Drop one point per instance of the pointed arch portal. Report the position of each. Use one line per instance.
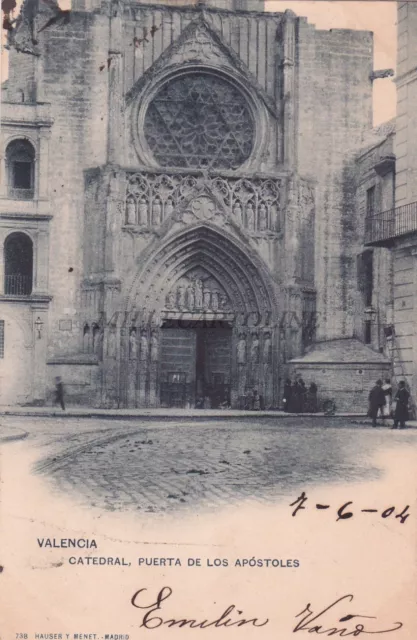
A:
(200, 328)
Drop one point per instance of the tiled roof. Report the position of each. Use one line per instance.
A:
(377, 135)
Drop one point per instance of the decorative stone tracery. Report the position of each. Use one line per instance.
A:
(199, 120)
(152, 198)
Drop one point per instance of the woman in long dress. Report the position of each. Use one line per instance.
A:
(401, 410)
(387, 389)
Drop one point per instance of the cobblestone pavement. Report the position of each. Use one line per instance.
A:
(167, 466)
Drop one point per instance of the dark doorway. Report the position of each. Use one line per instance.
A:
(195, 364)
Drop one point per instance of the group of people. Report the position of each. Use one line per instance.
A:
(298, 398)
(382, 404)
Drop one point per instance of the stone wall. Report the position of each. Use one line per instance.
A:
(334, 112)
(405, 250)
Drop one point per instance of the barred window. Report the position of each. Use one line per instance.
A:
(18, 264)
(20, 161)
(1, 338)
(199, 120)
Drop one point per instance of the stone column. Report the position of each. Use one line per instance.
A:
(132, 365)
(143, 352)
(155, 339)
(115, 146)
(41, 167)
(291, 239)
(40, 270)
(293, 328)
(414, 338)
(114, 222)
(289, 89)
(3, 233)
(39, 352)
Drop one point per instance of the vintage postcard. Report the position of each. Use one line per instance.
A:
(208, 294)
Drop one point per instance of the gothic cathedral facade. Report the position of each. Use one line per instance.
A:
(177, 208)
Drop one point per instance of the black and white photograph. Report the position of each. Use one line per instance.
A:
(208, 318)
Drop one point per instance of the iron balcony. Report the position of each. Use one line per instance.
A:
(381, 229)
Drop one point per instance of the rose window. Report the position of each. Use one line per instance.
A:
(199, 120)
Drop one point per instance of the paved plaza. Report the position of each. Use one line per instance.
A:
(171, 465)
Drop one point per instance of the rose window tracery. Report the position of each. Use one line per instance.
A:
(199, 120)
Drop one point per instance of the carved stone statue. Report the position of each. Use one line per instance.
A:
(169, 208)
(130, 210)
(181, 296)
(86, 338)
(206, 298)
(267, 352)
(263, 218)
(171, 302)
(254, 351)
(133, 344)
(111, 343)
(143, 347)
(250, 216)
(223, 302)
(275, 220)
(215, 299)
(191, 297)
(198, 293)
(154, 347)
(156, 212)
(143, 212)
(241, 350)
(97, 339)
(237, 212)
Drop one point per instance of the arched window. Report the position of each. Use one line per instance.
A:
(20, 161)
(18, 265)
(199, 120)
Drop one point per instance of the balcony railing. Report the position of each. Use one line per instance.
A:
(382, 228)
(17, 285)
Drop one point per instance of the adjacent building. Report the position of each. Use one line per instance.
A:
(394, 227)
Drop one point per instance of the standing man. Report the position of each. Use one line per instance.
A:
(376, 401)
(59, 392)
(401, 410)
(287, 395)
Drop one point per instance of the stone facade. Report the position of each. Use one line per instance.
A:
(153, 256)
(375, 179)
(405, 247)
(396, 230)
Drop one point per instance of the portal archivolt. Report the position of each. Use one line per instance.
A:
(200, 269)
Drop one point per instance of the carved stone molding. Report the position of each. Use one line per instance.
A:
(152, 199)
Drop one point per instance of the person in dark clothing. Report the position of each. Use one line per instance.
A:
(401, 410)
(293, 400)
(376, 401)
(302, 396)
(312, 393)
(296, 397)
(286, 401)
(256, 400)
(59, 392)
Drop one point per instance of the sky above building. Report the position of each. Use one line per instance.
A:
(375, 16)
(378, 17)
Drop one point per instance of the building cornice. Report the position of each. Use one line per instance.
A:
(406, 78)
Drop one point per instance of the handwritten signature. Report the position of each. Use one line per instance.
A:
(327, 622)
